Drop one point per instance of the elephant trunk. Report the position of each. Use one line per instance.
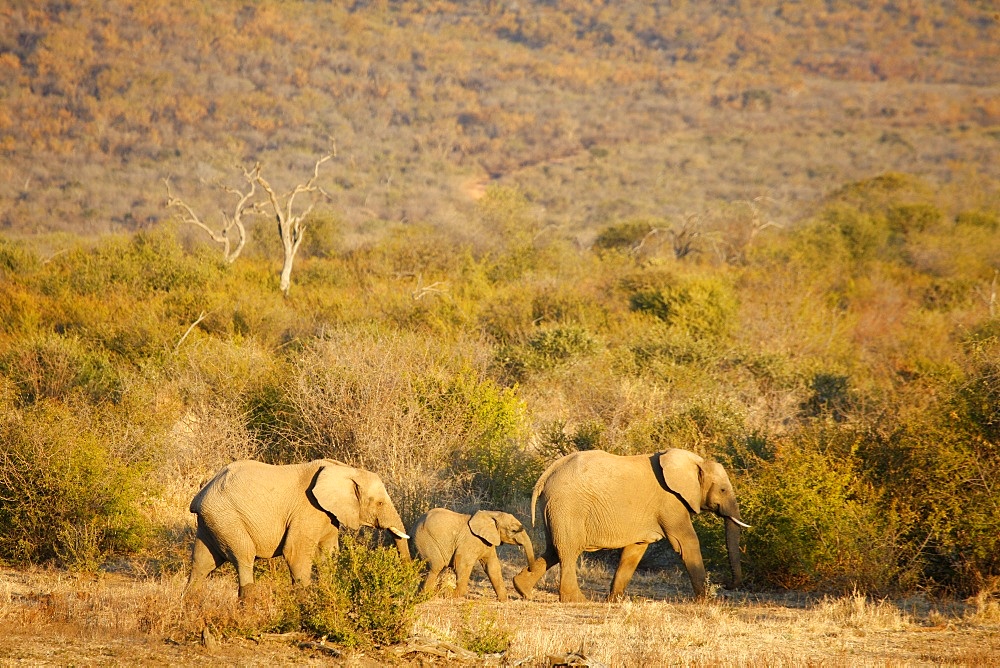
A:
(391, 521)
(404, 548)
(733, 547)
(524, 540)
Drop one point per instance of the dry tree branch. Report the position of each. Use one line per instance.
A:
(189, 329)
(291, 226)
(637, 249)
(989, 296)
(243, 206)
(437, 287)
(685, 236)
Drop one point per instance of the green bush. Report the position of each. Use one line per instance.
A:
(15, 259)
(142, 264)
(942, 466)
(700, 424)
(862, 234)
(551, 346)
(909, 218)
(985, 219)
(816, 524)
(557, 441)
(68, 493)
(56, 367)
(622, 237)
(492, 419)
(883, 191)
(829, 396)
(704, 307)
(544, 349)
(365, 595)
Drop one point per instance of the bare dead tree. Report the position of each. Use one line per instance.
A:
(291, 226)
(989, 296)
(642, 249)
(757, 223)
(737, 226)
(685, 236)
(244, 205)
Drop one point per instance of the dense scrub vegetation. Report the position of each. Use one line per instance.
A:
(846, 370)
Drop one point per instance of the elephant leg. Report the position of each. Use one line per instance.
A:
(495, 573)
(243, 557)
(630, 557)
(430, 584)
(569, 585)
(690, 550)
(244, 570)
(529, 576)
(329, 545)
(300, 566)
(463, 570)
(203, 562)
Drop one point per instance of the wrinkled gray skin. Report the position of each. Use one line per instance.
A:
(445, 538)
(251, 509)
(594, 500)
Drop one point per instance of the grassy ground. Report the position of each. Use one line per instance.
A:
(51, 618)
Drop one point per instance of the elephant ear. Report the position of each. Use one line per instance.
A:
(485, 526)
(682, 474)
(336, 491)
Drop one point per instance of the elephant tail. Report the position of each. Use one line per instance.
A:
(540, 485)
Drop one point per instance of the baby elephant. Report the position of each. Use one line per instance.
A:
(446, 538)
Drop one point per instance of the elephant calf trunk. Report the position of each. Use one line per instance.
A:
(524, 540)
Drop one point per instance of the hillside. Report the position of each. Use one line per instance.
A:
(597, 112)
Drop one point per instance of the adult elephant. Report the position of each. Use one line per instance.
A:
(446, 538)
(251, 509)
(594, 500)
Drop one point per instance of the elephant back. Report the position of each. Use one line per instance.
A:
(539, 488)
(216, 481)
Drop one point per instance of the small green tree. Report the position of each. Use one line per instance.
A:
(365, 595)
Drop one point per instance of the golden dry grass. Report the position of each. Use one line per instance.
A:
(50, 618)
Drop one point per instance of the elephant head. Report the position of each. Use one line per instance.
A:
(704, 485)
(358, 498)
(496, 527)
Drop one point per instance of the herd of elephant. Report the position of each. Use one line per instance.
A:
(590, 500)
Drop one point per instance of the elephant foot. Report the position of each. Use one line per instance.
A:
(246, 594)
(616, 597)
(572, 597)
(523, 584)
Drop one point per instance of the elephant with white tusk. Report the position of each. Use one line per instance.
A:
(445, 538)
(251, 509)
(594, 500)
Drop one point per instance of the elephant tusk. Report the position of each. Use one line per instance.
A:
(398, 533)
(742, 524)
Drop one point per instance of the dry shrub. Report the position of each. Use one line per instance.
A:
(587, 405)
(986, 604)
(858, 611)
(356, 396)
(211, 387)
